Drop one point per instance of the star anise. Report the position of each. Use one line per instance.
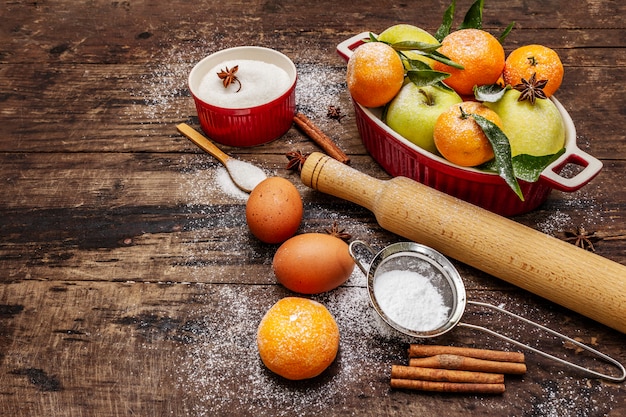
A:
(340, 233)
(296, 160)
(228, 77)
(531, 89)
(581, 238)
(334, 113)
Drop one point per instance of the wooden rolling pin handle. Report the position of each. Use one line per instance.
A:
(551, 268)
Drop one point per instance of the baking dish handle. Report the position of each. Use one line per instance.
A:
(590, 168)
(345, 48)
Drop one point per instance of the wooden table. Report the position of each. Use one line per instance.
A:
(129, 282)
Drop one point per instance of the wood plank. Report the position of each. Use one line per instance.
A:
(132, 223)
(138, 23)
(130, 284)
(135, 119)
(156, 349)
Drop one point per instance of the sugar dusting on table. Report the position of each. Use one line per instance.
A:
(209, 385)
(209, 376)
(587, 210)
(205, 370)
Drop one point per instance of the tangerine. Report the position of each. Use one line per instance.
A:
(527, 60)
(479, 52)
(460, 139)
(298, 338)
(374, 74)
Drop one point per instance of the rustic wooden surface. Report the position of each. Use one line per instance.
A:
(129, 283)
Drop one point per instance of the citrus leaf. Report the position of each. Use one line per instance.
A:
(446, 22)
(426, 76)
(474, 16)
(526, 167)
(444, 86)
(438, 56)
(428, 50)
(529, 168)
(416, 63)
(502, 152)
(489, 93)
(415, 46)
(506, 32)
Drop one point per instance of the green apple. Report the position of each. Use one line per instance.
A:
(414, 110)
(405, 32)
(533, 129)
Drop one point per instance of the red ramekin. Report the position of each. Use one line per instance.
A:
(251, 126)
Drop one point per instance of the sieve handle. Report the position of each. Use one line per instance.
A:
(356, 255)
(601, 355)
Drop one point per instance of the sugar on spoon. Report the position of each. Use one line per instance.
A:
(245, 175)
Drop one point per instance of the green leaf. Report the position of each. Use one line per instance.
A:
(529, 168)
(438, 56)
(416, 64)
(428, 50)
(444, 86)
(502, 152)
(423, 77)
(506, 32)
(446, 23)
(415, 46)
(489, 93)
(373, 38)
(474, 16)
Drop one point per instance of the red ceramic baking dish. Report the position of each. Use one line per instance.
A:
(400, 157)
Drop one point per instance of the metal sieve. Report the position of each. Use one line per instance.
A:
(410, 256)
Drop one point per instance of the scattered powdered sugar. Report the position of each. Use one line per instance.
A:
(261, 82)
(409, 299)
(162, 87)
(582, 210)
(221, 389)
(555, 222)
(210, 384)
(556, 399)
(318, 87)
(211, 180)
(208, 183)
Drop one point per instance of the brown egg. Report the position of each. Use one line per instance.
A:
(274, 210)
(312, 263)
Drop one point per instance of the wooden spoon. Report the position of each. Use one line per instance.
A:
(245, 175)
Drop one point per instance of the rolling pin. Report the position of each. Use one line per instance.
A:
(546, 266)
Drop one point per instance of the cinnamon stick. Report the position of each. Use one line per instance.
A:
(444, 375)
(453, 387)
(468, 364)
(419, 351)
(320, 138)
